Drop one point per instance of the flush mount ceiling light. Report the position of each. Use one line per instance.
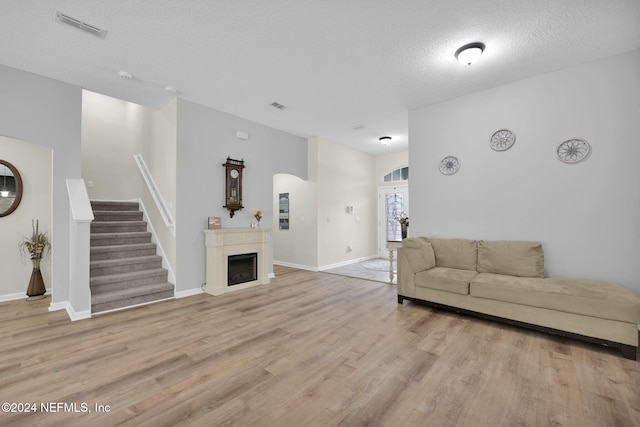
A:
(469, 53)
(384, 140)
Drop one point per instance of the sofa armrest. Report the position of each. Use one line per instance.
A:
(406, 278)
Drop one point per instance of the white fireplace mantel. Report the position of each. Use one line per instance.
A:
(226, 242)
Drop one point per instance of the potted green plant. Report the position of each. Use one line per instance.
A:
(35, 246)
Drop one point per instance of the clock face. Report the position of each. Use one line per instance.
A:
(234, 173)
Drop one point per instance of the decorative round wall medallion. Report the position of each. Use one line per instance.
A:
(573, 150)
(502, 140)
(449, 165)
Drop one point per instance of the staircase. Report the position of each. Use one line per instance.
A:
(124, 267)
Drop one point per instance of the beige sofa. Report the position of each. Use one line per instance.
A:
(504, 280)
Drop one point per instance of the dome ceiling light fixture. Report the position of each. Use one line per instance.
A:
(385, 140)
(469, 53)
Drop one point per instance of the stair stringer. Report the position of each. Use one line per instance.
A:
(154, 239)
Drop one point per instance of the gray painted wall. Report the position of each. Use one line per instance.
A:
(205, 138)
(586, 215)
(47, 112)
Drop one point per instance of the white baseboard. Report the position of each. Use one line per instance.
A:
(73, 315)
(298, 266)
(324, 267)
(17, 296)
(13, 297)
(188, 293)
(342, 264)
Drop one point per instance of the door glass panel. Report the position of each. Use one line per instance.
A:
(405, 173)
(394, 204)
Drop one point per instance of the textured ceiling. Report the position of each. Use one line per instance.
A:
(335, 64)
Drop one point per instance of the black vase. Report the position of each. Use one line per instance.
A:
(403, 230)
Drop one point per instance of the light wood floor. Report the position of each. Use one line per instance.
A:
(310, 349)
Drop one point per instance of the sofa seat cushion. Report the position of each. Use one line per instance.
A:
(511, 257)
(446, 279)
(455, 253)
(586, 297)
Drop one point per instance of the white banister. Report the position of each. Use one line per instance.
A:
(155, 193)
(80, 219)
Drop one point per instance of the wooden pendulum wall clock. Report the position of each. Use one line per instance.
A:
(233, 185)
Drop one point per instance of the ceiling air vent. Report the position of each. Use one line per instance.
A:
(278, 105)
(80, 25)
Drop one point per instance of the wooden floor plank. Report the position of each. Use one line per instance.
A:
(310, 349)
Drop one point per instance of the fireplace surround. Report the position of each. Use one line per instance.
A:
(239, 244)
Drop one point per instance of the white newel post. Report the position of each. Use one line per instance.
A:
(226, 242)
(80, 219)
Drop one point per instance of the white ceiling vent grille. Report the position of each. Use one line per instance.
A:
(80, 25)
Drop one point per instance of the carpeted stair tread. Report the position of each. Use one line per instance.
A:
(122, 238)
(130, 302)
(114, 282)
(99, 253)
(114, 206)
(133, 260)
(118, 226)
(105, 216)
(124, 265)
(123, 247)
(131, 296)
(126, 277)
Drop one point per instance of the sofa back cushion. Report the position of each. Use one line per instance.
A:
(419, 253)
(511, 257)
(455, 253)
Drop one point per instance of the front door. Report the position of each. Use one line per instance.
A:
(391, 201)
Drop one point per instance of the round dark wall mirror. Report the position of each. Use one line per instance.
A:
(10, 188)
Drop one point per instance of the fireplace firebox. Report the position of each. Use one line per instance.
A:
(242, 268)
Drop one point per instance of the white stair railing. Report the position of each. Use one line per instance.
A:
(155, 193)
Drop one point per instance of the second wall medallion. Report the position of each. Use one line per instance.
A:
(449, 165)
(502, 140)
(573, 150)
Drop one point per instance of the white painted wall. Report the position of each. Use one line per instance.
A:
(205, 138)
(344, 177)
(321, 228)
(47, 113)
(33, 162)
(586, 215)
(297, 246)
(113, 131)
(159, 153)
(386, 163)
